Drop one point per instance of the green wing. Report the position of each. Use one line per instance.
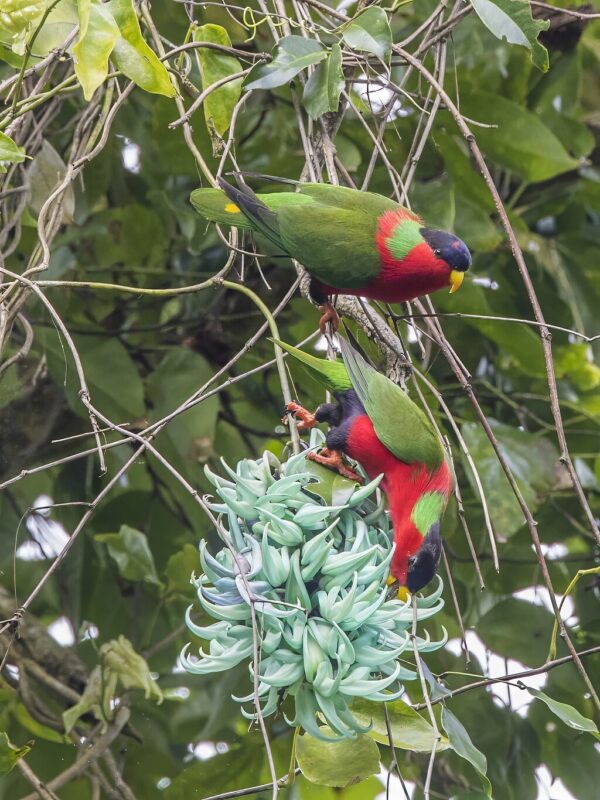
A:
(330, 374)
(329, 229)
(333, 236)
(399, 424)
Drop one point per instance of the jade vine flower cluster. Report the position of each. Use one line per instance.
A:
(312, 552)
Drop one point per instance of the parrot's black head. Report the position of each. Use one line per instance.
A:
(448, 248)
(450, 254)
(423, 565)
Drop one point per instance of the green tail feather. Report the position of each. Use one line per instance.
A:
(213, 204)
(330, 374)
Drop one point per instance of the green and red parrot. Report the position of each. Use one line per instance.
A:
(350, 242)
(375, 423)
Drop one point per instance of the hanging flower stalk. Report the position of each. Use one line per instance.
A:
(315, 551)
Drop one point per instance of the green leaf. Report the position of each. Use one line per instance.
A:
(10, 152)
(35, 727)
(520, 142)
(332, 487)
(514, 628)
(107, 365)
(339, 763)
(9, 754)
(369, 31)
(292, 55)
(511, 20)
(219, 105)
(132, 55)
(324, 86)
(461, 743)
(180, 567)
(569, 715)
(532, 460)
(98, 34)
(575, 361)
(129, 548)
(46, 172)
(410, 730)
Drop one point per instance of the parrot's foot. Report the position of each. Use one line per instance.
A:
(329, 315)
(333, 459)
(305, 420)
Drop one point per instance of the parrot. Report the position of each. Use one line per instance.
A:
(374, 422)
(349, 241)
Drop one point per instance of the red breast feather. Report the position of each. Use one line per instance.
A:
(403, 485)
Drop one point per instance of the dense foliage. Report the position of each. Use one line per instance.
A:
(114, 315)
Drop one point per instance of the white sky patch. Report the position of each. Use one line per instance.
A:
(48, 537)
(487, 283)
(62, 632)
(396, 790)
(88, 631)
(554, 552)
(379, 97)
(495, 666)
(549, 789)
(163, 783)
(538, 595)
(203, 751)
(130, 154)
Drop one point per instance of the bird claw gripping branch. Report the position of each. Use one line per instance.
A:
(304, 419)
(333, 460)
(329, 315)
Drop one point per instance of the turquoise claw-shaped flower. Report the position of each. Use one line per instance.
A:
(315, 574)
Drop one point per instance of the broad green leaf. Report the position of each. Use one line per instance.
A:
(292, 55)
(434, 201)
(10, 152)
(60, 23)
(180, 567)
(339, 763)
(46, 172)
(568, 714)
(130, 550)
(17, 15)
(410, 730)
(520, 142)
(324, 86)
(9, 754)
(133, 56)
(332, 487)
(514, 628)
(214, 65)
(461, 743)
(576, 361)
(511, 20)
(369, 31)
(35, 727)
(532, 460)
(225, 772)
(179, 375)
(115, 386)
(98, 34)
